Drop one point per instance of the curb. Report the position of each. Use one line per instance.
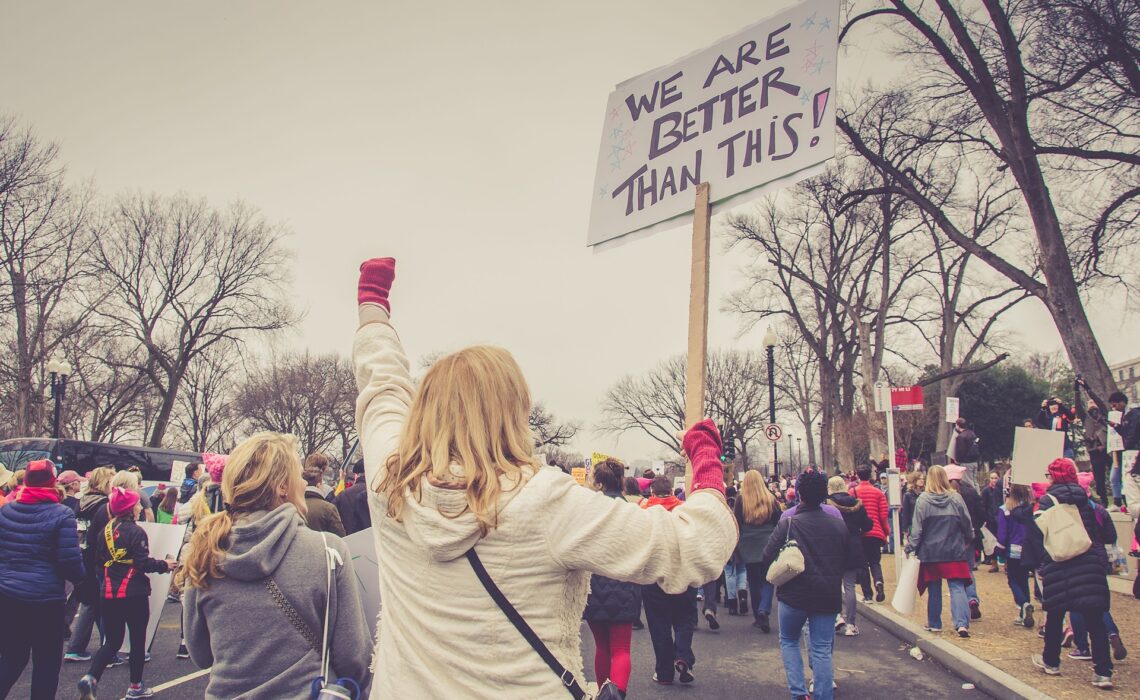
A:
(986, 677)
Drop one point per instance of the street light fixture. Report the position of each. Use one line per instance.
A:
(770, 344)
(59, 370)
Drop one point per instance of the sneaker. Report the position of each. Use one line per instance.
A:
(1041, 631)
(117, 660)
(850, 631)
(975, 610)
(1027, 614)
(710, 617)
(1102, 682)
(1019, 621)
(932, 630)
(1039, 661)
(184, 653)
(76, 656)
(762, 622)
(141, 691)
(1067, 638)
(700, 597)
(1118, 650)
(811, 687)
(964, 632)
(684, 673)
(880, 595)
(840, 623)
(656, 680)
(173, 598)
(868, 600)
(87, 687)
(1080, 655)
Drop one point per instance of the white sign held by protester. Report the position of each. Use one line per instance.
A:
(362, 550)
(1033, 450)
(756, 109)
(951, 409)
(164, 541)
(1115, 443)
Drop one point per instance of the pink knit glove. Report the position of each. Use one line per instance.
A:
(703, 446)
(376, 278)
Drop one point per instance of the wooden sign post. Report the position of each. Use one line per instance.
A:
(698, 318)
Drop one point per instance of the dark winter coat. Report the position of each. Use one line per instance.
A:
(352, 504)
(977, 510)
(126, 580)
(754, 538)
(1012, 528)
(321, 515)
(1080, 583)
(906, 513)
(610, 600)
(858, 523)
(823, 540)
(991, 504)
(1129, 430)
(94, 514)
(941, 531)
(39, 550)
(966, 447)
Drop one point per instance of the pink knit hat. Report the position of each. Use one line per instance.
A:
(1039, 489)
(955, 472)
(215, 463)
(1085, 479)
(123, 501)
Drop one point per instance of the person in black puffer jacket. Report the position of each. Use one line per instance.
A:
(858, 523)
(1079, 584)
(612, 606)
(39, 550)
(813, 597)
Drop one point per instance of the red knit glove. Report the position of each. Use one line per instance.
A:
(376, 278)
(703, 446)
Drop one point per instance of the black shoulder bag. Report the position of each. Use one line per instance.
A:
(524, 629)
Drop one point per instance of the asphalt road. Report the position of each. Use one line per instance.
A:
(738, 661)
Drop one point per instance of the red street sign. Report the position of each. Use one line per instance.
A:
(906, 398)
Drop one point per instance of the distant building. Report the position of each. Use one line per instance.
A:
(1127, 376)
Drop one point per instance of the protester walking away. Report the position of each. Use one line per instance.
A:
(1056, 415)
(352, 503)
(858, 523)
(876, 504)
(966, 452)
(812, 598)
(612, 606)
(1014, 520)
(71, 484)
(93, 516)
(123, 551)
(164, 514)
(1079, 583)
(940, 537)
(757, 514)
(265, 594)
(39, 552)
(463, 509)
(1107, 530)
(321, 515)
(956, 474)
(915, 483)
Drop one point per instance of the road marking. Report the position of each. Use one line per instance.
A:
(179, 681)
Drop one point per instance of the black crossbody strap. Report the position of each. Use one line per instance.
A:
(524, 629)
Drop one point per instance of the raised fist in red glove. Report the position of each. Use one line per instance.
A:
(376, 278)
(702, 445)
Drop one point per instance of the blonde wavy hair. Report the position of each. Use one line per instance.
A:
(756, 501)
(257, 471)
(99, 481)
(937, 481)
(472, 410)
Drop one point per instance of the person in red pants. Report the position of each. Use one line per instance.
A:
(612, 606)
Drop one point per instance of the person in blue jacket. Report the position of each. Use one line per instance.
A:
(39, 550)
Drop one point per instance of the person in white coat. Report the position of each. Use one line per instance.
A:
(453, 467)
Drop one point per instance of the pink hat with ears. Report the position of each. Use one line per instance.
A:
(123, 501)
(955, 472)
(1085, 479)
(215, 463)
(1039, 489)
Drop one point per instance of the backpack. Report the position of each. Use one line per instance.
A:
(1063, 531)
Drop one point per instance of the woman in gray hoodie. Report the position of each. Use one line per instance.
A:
(257, 587)
(941, 535)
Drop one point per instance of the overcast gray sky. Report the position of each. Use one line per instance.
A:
(460, 137)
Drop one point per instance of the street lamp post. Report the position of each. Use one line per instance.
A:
(770, 344)
(799, 453)
(59, 370)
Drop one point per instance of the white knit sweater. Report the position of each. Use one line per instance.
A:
(440, 634)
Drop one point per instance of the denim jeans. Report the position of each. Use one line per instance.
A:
(849, 596)
(757, 581)
(972, 586)
(1081, 630)
(1018, 578)
(1094, 622)
(1116, 479)
(87, 617)
(671, 619)
(959, 604)
(734, 579)
(821, 639)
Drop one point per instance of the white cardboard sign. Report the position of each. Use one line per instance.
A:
(164, 541)
(755, 109)
(951, 409)
(1115, 443)
(1033, 450)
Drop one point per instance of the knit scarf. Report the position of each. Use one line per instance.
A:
(38, 494)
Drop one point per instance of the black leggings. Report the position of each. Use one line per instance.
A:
(31, 630)
(119, 615)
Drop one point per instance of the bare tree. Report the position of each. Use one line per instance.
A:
(548, 430)
(797, 381)
(44, 244)
(105, 392)
(182, 277)
(205, 418)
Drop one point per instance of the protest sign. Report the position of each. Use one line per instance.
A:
(1115, 443)
(1033, 450)
(579, 474)
(178, 472)
(164, 542)
(659, 467)
(364, 565)
(755, 109)
(951, 409)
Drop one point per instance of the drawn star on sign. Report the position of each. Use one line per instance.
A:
(825, 25)
(819, 66)
(809, 22)
(614, 113)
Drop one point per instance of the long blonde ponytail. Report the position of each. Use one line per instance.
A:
(258, 471)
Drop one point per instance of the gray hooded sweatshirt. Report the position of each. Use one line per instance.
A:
(235, 628)
(941, 530)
